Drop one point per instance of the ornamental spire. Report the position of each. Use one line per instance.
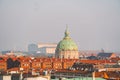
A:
(67, 32)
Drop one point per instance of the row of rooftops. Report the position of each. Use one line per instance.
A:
(41, 59)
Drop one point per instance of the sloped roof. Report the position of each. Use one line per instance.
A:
(104, 55)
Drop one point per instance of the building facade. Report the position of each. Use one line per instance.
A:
(47, 49)
(32, 48)
(3, 65)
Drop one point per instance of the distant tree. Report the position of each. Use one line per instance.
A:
(9, 63)
(16, 63)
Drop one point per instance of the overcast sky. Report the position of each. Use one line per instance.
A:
(93, 24)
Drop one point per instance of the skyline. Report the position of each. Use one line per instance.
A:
(93, 24)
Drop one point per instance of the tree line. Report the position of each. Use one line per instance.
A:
(12, 64)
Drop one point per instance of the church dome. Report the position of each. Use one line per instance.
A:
(67, 44)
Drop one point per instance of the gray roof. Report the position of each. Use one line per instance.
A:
(104, 55)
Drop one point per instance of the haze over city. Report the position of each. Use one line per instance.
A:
(93, 24)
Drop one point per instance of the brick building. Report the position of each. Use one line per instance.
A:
(3, 65)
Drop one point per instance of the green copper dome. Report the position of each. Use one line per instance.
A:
(67, 44)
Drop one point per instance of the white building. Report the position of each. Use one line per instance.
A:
(5, 77)
(47, 49)
(40, 45)
(38, 78)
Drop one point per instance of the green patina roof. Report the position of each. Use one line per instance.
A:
(67, 43)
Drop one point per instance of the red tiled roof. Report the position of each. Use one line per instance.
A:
(14, 69)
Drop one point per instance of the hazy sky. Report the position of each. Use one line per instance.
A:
(93, 24)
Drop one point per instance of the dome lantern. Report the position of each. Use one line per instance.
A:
(67, 33)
